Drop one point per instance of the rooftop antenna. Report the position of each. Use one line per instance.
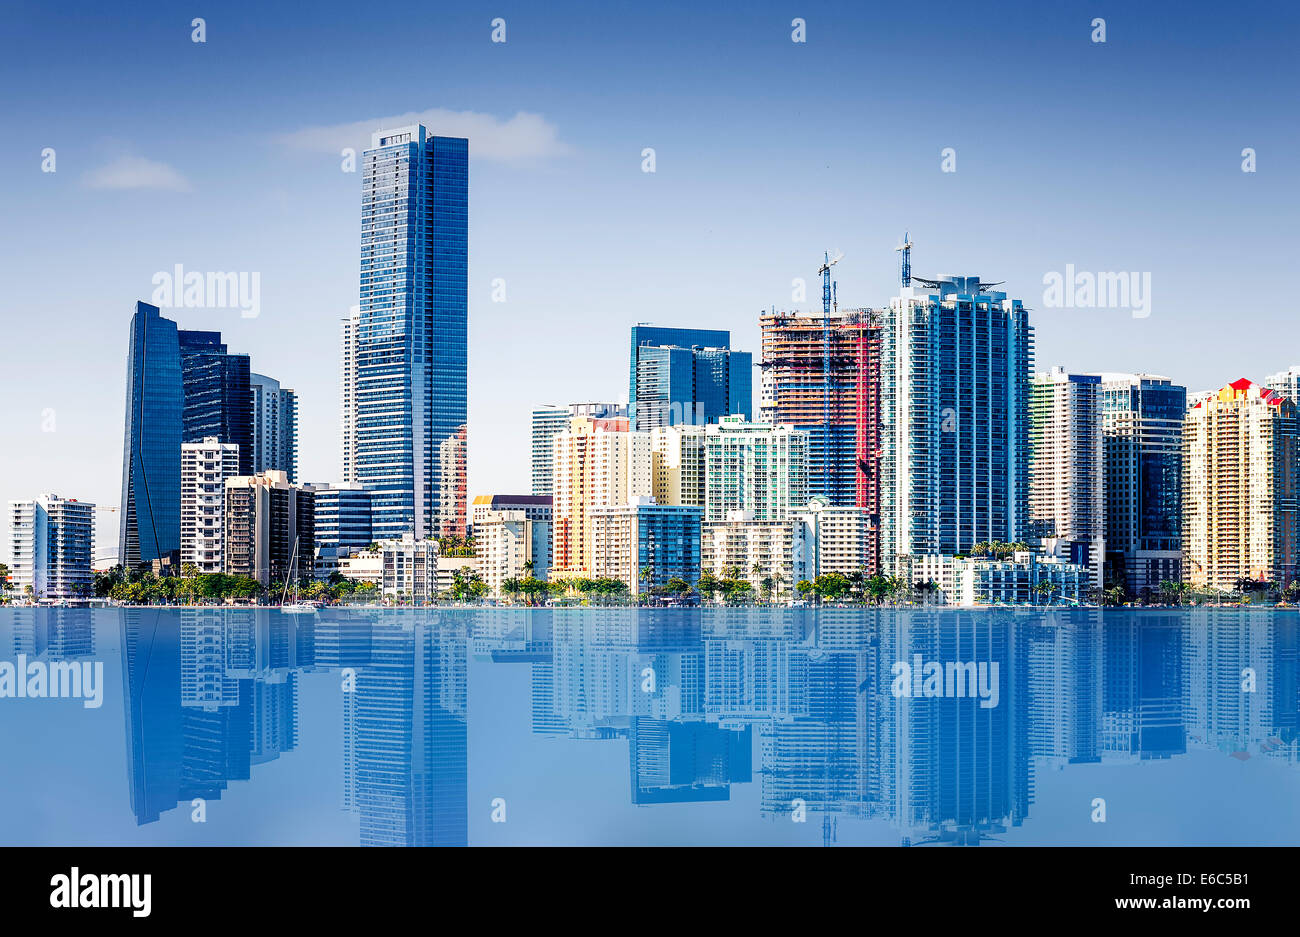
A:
(825, 271)
(905, 271)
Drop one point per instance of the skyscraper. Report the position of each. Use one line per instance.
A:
(409, 400)
(1066, 477)
(275, 427)
(1142, 433)
(150, 525)
(1240, 488)
(686, 376)
(218, 398)
(822, 375)
(955, 366)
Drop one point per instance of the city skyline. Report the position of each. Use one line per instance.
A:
(558, 151)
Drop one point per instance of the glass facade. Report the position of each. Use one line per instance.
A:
(410, 341)
(218, 396)
(686, 376)
(150, 525)
(1142, 428)
(956, 366)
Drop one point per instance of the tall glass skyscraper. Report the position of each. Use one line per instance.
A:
(218, 397)
(956, 361)
(150, 525)
(686, 376)
(409, 341)
(1142, 427)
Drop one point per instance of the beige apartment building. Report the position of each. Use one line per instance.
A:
(597, 463)
(1239, 487)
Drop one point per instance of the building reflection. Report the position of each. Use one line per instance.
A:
(807, 705)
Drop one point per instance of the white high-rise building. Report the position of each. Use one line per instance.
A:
(205, 466)
(348, 395)
(1067, 468)
(1286, 383)
(52, 543)
(678, 460)
(275, 427)
(956, 363)
(754, 467)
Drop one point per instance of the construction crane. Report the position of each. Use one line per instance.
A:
(905, 270)
(825, 272)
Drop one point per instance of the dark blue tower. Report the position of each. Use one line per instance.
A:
(151, 461)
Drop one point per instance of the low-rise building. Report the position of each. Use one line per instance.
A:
(645, 544)
(829, 539)
(503, 545)
(410, 569)
(1024, 578)
(757, 551)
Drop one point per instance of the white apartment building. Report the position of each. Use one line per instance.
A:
(828, 539)
(503, 543)
(754, 467)
(409, 569)
(52, 543)
(1067, 474)
(205, 466)
(677, 454)
(757, 550)
(979, 581)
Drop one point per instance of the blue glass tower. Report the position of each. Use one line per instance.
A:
(956, 361)
(686, 376)
(1142, 433)
(411, 337)
(150, 525)
(218, 395)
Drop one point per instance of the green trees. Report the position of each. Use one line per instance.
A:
(467, 585)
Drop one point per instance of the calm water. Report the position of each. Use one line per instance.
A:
(590, 726)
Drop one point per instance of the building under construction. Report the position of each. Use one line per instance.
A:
(821, 374)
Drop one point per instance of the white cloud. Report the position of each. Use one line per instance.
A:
(136, 172)
(523, 138)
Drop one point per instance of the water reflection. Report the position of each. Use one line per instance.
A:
(936, 722)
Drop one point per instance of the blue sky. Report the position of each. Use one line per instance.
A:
(223, 156)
